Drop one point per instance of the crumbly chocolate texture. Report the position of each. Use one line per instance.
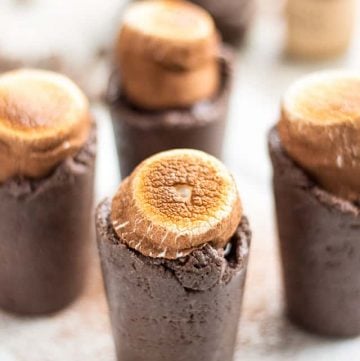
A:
(232, 17)
(45, 228)
(184, 309)
(140, 134)
(320, 249)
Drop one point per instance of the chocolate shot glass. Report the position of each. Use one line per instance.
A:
(174, 247)
(317, 190)
(47, 155)
(172, 82)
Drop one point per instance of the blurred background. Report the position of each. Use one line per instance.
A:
(76, 37)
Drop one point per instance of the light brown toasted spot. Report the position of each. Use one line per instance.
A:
(19, 110)
(44, 118)
(172, 20)
(326, 101)
(177, 201)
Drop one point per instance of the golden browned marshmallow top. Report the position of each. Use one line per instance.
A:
(44, 118)
(176, 33)
(320, 129)
(175, 202)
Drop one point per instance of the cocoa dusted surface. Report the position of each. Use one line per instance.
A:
(46, 233)
(232, 17)
(320, 246)
(184, 309)
(140, 133)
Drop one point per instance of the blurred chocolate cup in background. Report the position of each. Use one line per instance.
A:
(140, 134)
(320, 249)
(314, 151)
(168, 90)
(48, 146)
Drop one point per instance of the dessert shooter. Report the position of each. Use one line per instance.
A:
(47, 154)
(174, 246)
(232, 17)
(315, 151)
(172, 84)
(319, 29)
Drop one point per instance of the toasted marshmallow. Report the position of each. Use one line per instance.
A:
(176, 201)
(320, 129)
(319, 29)
(44, 118)
(167, 54)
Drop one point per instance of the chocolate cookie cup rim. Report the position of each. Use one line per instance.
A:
(80, 159)
(118, 102)
(322, 196)
(235, 262)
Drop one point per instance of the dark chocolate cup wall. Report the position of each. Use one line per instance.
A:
(182, 310)
(140, 134)
(232, 17)
(45, 236)
(320, 247)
